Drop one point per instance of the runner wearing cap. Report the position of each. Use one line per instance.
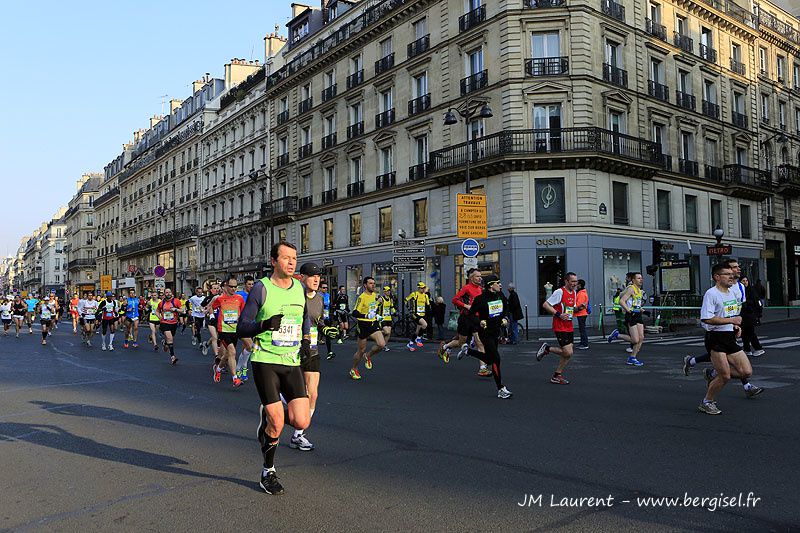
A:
(331, 331)
(168, 311)
(366, 311)
(198, 315)
(228, 307)
(47, 311)
(131, 319)
(419, 302)
(387, 309)
(108, 309)
(341, 309)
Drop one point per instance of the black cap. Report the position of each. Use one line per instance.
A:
(491, 278)
(310, 269)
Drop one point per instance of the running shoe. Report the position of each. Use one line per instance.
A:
(204, 348)
(301, 443)
(484, 372)
(44, 342)
(194, 341)
(708, 374)
(444, 355)
(173, 360)
(368, 362)
(110, 347)
(633, 361)
(237, 382)
(354, 374)
(583, 347)
(339, 341)
(504, 393)
(753, 391)
(411, 346)
(629, 349)
(245, 377)
(558, 379)
(270, 484)
(418, 341)
(103, 347)
(614, 335)
(709, 408)
(758, 353)
(331, 355)
(386, 348)
(216, 373)
(544, 349)
(463, 351)
(155, 347)
(125, 344)
(88, 343)
(687, 365)
(135, 344)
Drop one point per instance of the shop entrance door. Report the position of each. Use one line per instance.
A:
(551, 269)
(774, 282)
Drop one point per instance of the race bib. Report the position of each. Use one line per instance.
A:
(46, 314)
(495, 308)
(420, 309)
(314, 337)
(325, 314)
(289, 333)
(730, 308)
(342, 307)
(568, 311)
(169, 315)
(6, 314)
(387, 315)
(230, 316)
(373, 311)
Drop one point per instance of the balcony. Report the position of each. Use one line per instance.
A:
(419, 46)
(655, 29)
(355, 79)
(163, 240)
(328, 196)
(541, 149)
(710, 109)
(685, 100)
(100, 200)
(614, 10)
(474, 82)
(384, 64)
(305, 151)
(713, 173)
(547, 66)
(354, 130)
(738, 67)
(305, 202)
(384, 181)
(658, 90)
(418, 105)
(788, 180)
(384, 119)
(739, 120)
(280, 210)
(472, 19)
(355, 189)
(667, 162)
(543, 4)
(328, 93)
(615, 75)
(747, 182)
(282, 160)
(770, 221)
(418, 172)
(708, 53)
(305, 105)
(684, 42)
(329, 141)
(688, 167)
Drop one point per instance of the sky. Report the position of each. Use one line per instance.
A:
(79, 77)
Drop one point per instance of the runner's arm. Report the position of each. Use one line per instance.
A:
(458, 299)
(623, 300)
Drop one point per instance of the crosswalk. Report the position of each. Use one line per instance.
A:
(697, 340)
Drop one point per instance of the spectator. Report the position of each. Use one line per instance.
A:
(429, 331)
(761, 292)
(751, 317)
(439, 309)
(581, 312)
(515, 310)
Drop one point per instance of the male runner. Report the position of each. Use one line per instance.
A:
(31, 302)
(184, 317)
(152, 319)
(131, 319)
(73, 310)
(331, 330)
(631, 301)
(18, 312)
(109, 311)
(720, 318)
(619, 316)
(490, 308)
(211, 321)
(57, 314)
(274, 316)
(5, 313)
(386, 303)
(366, 312)
(47, 311)
(88, 311)
(198, 315)
(419, 302)
(467, 324)
(561, 305)
(247, 343)
(228, 307)
(341, 306)
(168, 311)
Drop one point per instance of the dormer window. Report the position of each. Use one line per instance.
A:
(300, 30)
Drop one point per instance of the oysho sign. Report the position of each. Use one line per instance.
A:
(552, 241)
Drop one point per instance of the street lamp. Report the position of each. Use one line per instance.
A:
(468, 110)
(255, 175)
(719, 233)
(97, 236)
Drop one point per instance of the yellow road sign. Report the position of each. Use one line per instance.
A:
(472, 216)
(105, 283)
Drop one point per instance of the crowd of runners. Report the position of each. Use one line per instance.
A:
(280, 322)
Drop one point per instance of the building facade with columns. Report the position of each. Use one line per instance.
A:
(80, 231)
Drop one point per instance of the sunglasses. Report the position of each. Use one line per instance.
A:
(233, 286)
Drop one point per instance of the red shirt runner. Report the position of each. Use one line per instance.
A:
(231, 308)
(169, 310)
(566, 306)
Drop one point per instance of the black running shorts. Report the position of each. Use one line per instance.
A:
(631, 319)
(565, 338)
(198, 322)
(467, 325)
(365, 329)
(172, 328)
(46, 323)
(722, 341)
(311, 364)
(228, 339)
(272, 380)
(6, 321)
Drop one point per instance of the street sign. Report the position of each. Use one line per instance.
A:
(160, 284)
(470, 262)
(721, 249)
(159, 271)
(470, 248)
(131, 269)
(404, 243)
(408, 259)
(471, 216)
(327, 262)
(105, 283)
(409, 251)
(441, 249)
(408, 268)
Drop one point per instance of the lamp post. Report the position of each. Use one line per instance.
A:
(468, 110)
(255, 175)
(719, 233)
(164, 210)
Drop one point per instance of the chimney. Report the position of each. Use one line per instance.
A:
(273, 44)
(298, 8)
(237, 70)
(174, 104)
(155, 119)
(197, 86)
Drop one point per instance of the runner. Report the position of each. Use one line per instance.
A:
(366, 312)
(198, 315)
(228, 307)
(5, 313)
(467, 324)
(561, 305)
(88, 311)
(131, 319)
(247, 343)
(57, 315)
(341, 306)
(331, 331)
(153, 320)
(168, 311)
(109, 313)
(631, 301)
(183, 318)
(491, 308)
(73, 310)
(387, 310)
(720, 318)
(419, 302)
(619, 316)
(211, 321)
(32, 303)
(274, 317)
(47, 311)
(315, 305)
(18, 313)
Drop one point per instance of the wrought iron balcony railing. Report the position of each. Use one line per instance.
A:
(472, 19)
(355, 79)
(162, 240)
(686, 101)
(384, 119)
(418, 105)
(354, 130)
(615, 75)
(384, 64)
(684, 42)
(279, 208)
(474, 82)
(547, 66)
(655, 29)
(710, 109)
(658, 90)
(419, 46)
(418, 172)
(355, 189)
(384, 181)
(328, 93)
(708, 53)
(329, 141)
(614, 10)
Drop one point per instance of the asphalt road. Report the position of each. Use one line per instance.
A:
(123, 441)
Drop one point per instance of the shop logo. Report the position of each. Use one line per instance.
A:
(551, 241)
(548, 196)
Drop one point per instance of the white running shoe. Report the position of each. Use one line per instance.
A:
(194, 341)
(462, 353)
(629, 349)
(386, 349)
(759, 353)
(301, 443)
(110, 347)
(504, 393)
(103, 347)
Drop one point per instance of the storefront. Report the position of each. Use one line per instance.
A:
(793, 266)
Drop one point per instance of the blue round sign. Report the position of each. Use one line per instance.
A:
(470, 248)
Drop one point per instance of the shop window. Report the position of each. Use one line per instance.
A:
(550, 204)
(616, 265)
(328, 234)
(620, 198)
(551, 267)
(488, 263)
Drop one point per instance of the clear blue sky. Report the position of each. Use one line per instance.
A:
(80, 77)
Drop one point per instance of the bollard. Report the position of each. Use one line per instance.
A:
(526, 323)
(602, 320)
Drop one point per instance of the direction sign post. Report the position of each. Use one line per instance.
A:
(408, 256)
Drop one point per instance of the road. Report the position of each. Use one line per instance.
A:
(123, 441)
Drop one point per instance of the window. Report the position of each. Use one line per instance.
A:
(660, 137)
(711, 152)
(741, 156)
(782, 115)
(663, 207)
(709, 91)
(421, 149)
(305, 135)
(421, 85)
(716, 215)
(684, 82)
(738, 102)
(796, 76)
(304, 239)
(613, 53)
(283, 146)
(330, 125)
(681, 27)
(655, 12)
(330, 79)
(330, 178)
(356, 174)
(620, 199)
(764, 108)
(387, 164)
(355, 229)
(547, 122)
(386, 47)
(780, 68)
(744, 221)
(545, 45)
(420, 28)
(355, 113)
(762, 60)
(706, 37)
(284, 104)
(690, 209)
(386, 100)
(475, 62)
(421, 217)
(617, 123)
(328, 223)
(736, 52)
(657, 70)
(299, 31)
(687, 146)
(305, 92)
(307, 185)
(385, 221)
(356, 64)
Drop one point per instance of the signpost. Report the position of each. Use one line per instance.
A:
(471, 216)
(720, 249)
(160, 284)
(159, 271)
(105, 283)
(408, 256)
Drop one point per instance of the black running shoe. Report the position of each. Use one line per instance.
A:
(331, 355)
(270, 483)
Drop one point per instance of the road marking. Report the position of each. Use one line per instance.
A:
(677, 341)
(785, 345)
(780, 339)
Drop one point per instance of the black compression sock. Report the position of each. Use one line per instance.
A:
(269, 452)
(498, 380)
(171, 349)
(44, 334)
(706, 358)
